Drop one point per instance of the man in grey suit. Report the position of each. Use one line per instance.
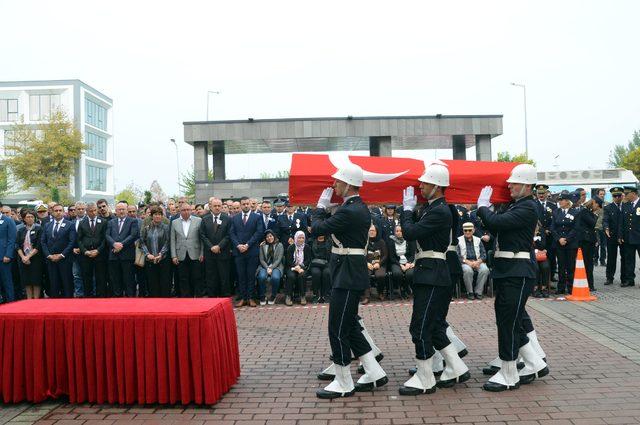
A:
(186, 251)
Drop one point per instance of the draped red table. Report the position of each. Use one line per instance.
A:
(126, 350)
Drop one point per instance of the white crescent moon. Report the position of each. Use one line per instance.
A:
(339, 160)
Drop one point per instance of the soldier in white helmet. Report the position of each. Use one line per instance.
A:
(514, 276)
(432, 283)
(348, 228)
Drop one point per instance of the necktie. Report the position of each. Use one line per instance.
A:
(55, 229)
(244, 218)
(93, 226)
(215, 223)
(120, 225)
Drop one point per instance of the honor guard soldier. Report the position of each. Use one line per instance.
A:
(629, 232)
(432, 283)
(514, 276)
(349, 230)
(612, 215)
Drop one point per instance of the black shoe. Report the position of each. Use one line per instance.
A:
(469, 296)
(415, 391)
(545, 295)
(322, 393)
(326, 376)
(495, 387)
(379, 358)
(609, 282)
(527, 379)
(553, 279)
(478, 296)
(412, 371)
(491, 370)
(451, 382)
(371, 385)
(537, 295)
(463, 353)
(624, 284)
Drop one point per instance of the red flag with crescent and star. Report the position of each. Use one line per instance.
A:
(386, 177)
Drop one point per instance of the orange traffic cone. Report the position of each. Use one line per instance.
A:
(580, 290)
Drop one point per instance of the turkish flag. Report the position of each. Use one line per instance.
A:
(387, 177)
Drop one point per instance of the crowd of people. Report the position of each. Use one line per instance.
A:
(257, 250)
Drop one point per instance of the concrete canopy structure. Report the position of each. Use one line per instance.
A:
(378, 135)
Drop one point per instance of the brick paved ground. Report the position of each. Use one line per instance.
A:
(595, 372)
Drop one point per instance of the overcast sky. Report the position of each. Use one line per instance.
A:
(579, 60)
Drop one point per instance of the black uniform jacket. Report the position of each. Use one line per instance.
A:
(514, 230)
(629, 229)
(611, 219)
(88, 239)
(350, 224)
(586, 226)
(432, 232)
(565, 226)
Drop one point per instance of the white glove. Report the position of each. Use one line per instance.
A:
(484, 200)
(409, 200)
(324, 201)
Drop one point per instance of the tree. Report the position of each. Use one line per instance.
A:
(620, 152)
(44, 159)
(521, 158)
(188, 183)
(281, 174)
(147, 197)
(157, 194)
(631, 161)
(5, 187)
(131, 193)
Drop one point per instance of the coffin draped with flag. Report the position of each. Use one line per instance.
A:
(387, 177)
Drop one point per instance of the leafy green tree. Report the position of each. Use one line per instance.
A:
(147, 197)
(44, 158)
(188, 184)
(521, 157)
(131, 193)
(620, 152)
(631, 161)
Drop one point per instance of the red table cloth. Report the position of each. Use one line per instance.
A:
(126, 350)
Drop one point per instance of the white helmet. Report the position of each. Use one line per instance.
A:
(523, 174)
(435, 172)
(350, 173)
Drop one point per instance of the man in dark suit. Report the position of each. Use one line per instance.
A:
(214, 233)
(58, 240)
(289, 223)
(8, 233)
(93, 255)
(121, 235)
(245, 234)
(612, 214)
(629, 234)
(268, 220)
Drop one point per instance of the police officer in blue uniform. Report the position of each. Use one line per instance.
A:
(612, 215)
(348, 227)
(431, 281)
(514, 276)
(629, 232)
(565, 237)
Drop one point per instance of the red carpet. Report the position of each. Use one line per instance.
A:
(126, 350)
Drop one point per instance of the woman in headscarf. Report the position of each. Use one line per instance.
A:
(271, 265)
(377, 254)
(297, 262)
(401, 256)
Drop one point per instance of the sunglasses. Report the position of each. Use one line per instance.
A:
(468, 231)
(618, 195)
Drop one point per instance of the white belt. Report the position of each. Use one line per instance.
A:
(451, 248)
(348, 251)
(431, 254)
(522, 255)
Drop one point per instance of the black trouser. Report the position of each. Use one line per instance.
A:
(217, 275)
(345, 333)
(94, 270)
(430, 306)
(511, 298)
(190, 277)
(601, 251)
(400, 279)
(121, 274)
(544, 274)
(630, 252)
(295, 282)
(527, 323)
(159, 278)
(588, 248)
(551, 255)
(61, 278)
(566, 267)
(612, 258)
(320, 280)
(380, 278)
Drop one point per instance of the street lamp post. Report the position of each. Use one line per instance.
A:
(177, 162)
(526, 140)
(208, 93)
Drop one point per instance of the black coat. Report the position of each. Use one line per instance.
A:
(288, 257)
(89, 240)
(612, 216)
(62, 243)
(127, 237)
(432, 232)
(350, 224)
(410, 254)
(629, 229)
(586, 226)
(514, 230)
(36, 235)
(288, 228)
(565, 226)
(212, 235)
(545, 212)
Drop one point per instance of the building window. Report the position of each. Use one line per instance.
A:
(96, 178)
(96, 146)
(95, 114)
(8, 110)
(41, 106)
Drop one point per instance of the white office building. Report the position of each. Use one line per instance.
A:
(92, 113)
